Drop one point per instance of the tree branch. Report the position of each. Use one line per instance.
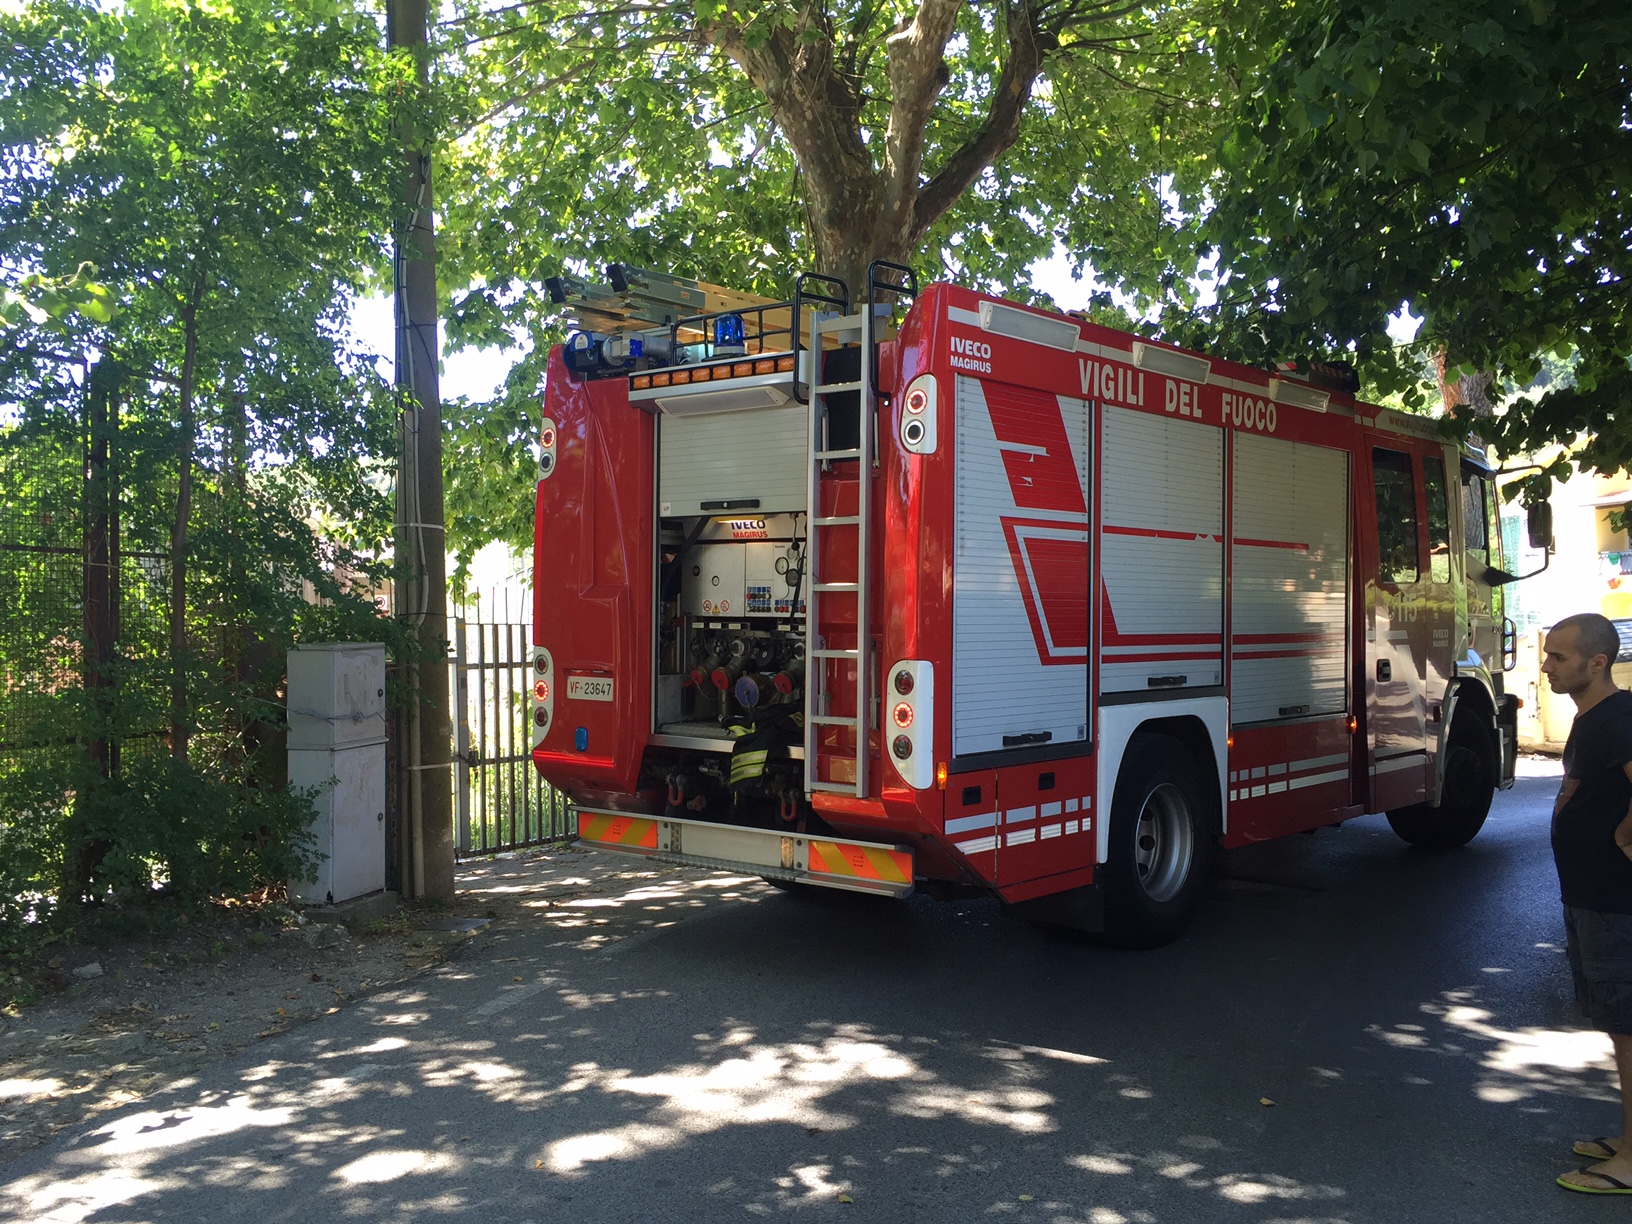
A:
(1027, 46)
(915, 64)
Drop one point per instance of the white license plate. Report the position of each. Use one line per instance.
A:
(589, 688)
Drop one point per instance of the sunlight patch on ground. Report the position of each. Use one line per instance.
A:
(1004, 1050)
(1108, 1165)
(1518, 1063)
(382, 1046)
(1521, 1049)
(28, 1087)
(389, 1165)
(150, 1129)
(1246, 1189)
(786, 1082)
(71, 1200)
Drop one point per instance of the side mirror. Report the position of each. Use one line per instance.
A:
(1538, 518)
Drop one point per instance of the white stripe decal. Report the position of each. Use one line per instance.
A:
(1050, 809)
(1070, 805)
(1316, 779)
(1052, 830)
(1411, 760)
(963, 824)
(1337, 758)
(1020, 815)
(1020, 838)
(978, 846)
(1276, 788)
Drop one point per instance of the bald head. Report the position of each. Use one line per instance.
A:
(1577, 657)
(1594, 634)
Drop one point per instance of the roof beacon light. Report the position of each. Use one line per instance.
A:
(1166, 361)
(728, 336)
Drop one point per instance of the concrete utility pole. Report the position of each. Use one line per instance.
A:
(425, 791)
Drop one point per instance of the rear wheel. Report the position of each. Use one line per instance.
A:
(1470, 785)
(1161, 844)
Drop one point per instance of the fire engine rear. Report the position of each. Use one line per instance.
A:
(951, 593)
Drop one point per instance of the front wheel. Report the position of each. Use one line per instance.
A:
(1470, 785)
(1161, 845)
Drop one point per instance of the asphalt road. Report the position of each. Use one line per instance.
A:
(1354, 1031)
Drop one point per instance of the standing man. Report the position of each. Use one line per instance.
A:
(1592, 846)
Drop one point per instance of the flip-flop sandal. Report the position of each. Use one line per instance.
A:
(1616, 1185)
(1594, 1149)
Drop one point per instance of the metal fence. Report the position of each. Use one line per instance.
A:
(500, 802)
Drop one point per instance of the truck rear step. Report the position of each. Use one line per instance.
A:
(831, 862)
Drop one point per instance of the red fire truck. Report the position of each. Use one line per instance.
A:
(950, 593)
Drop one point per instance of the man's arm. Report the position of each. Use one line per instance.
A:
(1623, 831)
(1566, 788)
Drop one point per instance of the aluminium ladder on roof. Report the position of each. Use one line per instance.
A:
(857, 528)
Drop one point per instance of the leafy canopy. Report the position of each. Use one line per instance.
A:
(742, 141)
(1470, 158)
(229, 168)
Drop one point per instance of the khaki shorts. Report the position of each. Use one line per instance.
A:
(1601, 963)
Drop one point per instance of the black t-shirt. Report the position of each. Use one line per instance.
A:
(1593, 873)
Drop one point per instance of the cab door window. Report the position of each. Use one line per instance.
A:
(1398, 561)
(1439, 519)
(1475, 514)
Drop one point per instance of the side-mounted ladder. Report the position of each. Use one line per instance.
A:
(856, 680)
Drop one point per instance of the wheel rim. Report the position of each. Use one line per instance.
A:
(1163, 843)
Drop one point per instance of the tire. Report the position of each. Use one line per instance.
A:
(1470, 785)
(1161, 845)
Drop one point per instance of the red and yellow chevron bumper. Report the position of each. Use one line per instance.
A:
(859, 861)
(618, 832)
(856, 866)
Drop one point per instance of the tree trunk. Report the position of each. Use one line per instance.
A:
(180, 717)
(421, 550)
(859, 208)
(84, 853)
(236, 647)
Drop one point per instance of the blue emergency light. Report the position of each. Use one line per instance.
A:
(729, 339)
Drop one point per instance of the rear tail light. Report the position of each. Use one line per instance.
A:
(913, 718)
(543, 694)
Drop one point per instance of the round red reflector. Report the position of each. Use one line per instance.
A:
(903, 682)
(902, 747)
(902, 714)
(917, 400)
(541, 691)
